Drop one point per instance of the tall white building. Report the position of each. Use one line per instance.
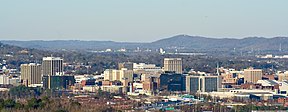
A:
(52, 66)
(173, 64)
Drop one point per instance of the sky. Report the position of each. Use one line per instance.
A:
(140, 20)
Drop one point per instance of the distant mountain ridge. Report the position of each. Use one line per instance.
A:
(176, 42)
(70, 44)
(204, 43)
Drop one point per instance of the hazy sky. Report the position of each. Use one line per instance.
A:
(140, 20)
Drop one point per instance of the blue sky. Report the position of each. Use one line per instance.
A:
(140, 20)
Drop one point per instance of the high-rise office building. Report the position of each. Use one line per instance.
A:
(172, 82)
(252, 75)
(202, 83)
(173, 64)
(52, 66)
(30, 74)
(58, 82)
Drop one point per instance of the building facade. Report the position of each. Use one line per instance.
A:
(30, 74)
(252, 75)
(52, 66)
(124, 75)
(143, 68)
(283, 76)
(58, 82)
(172, 82)
(173, 65)
(202, 83)
(151, 84)
(4, 79)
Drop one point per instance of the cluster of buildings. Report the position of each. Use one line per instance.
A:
(8, 76)
(267, 56)
(129, 78)
(141, 78)
(49, 74)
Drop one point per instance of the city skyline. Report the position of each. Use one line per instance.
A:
(164, 55)
(140, 21)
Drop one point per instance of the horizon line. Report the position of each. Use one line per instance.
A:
(185, 35)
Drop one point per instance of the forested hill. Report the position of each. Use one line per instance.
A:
(15, 56)
(176, 42)
(72, 44)
(204, 43)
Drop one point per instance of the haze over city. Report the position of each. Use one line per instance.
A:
(140, 21)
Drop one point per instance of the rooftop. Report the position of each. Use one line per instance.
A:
(52, 58)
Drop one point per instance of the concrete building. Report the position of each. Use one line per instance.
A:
(229, 78)
(108, 74)
(4, 79)
(52, 66)
(283, 88)
(282, 76)
(30, 74)
(244, 94)
(173, 65)
(80, 78)
(231, 75)
(145, 77)
(150, 85)
(9, 80)
(279, 87)
(124, 75)
(203, 83)
(268, 84)
(145, 67)
(90, 88)
(252, 75)
(113, 89)
(148, 69)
